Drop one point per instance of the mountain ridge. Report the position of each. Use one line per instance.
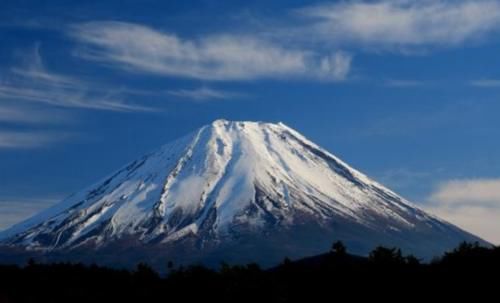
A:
(234, 183)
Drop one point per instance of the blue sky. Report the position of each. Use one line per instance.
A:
(405, 91)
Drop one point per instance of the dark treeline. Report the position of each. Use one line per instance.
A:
(468, 272)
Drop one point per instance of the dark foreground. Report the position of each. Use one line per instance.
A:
(470, 272)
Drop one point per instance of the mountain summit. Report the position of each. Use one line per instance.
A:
(232, 191)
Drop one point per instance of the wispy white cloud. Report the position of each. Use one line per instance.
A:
(30, 139)
(336, 66)
(471, 204)
(33, 82)
(15, 113)
(34, 69)
(14, 210)
(204, 94)
(402, 23)
(403, 83)
(66, 98)
(212, 57)
(488, 83)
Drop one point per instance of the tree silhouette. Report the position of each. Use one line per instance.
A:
(170, 265)
(338, 248)
(412, 260)
(145, 272)
(386, 256)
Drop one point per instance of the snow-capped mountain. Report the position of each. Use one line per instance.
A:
(233, 191)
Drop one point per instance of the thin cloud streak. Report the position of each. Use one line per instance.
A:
(403, 83)
(29, 115)
(34, 83)
(14, 210)
(217, 57)
(487, 83)
(31, 139)
(204, 94)
(35, 70)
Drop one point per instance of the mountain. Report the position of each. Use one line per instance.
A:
(232, 191)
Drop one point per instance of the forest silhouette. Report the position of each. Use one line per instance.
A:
(469, 272)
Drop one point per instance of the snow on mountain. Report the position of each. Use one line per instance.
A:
(239, 190)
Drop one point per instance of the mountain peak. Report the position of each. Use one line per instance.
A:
(240, 124)
(234, 184)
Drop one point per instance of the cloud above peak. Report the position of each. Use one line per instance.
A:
(202, 94)
(402, 23)
(216, 57)
(308, 45)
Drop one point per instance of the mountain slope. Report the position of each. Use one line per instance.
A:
(238, 191)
